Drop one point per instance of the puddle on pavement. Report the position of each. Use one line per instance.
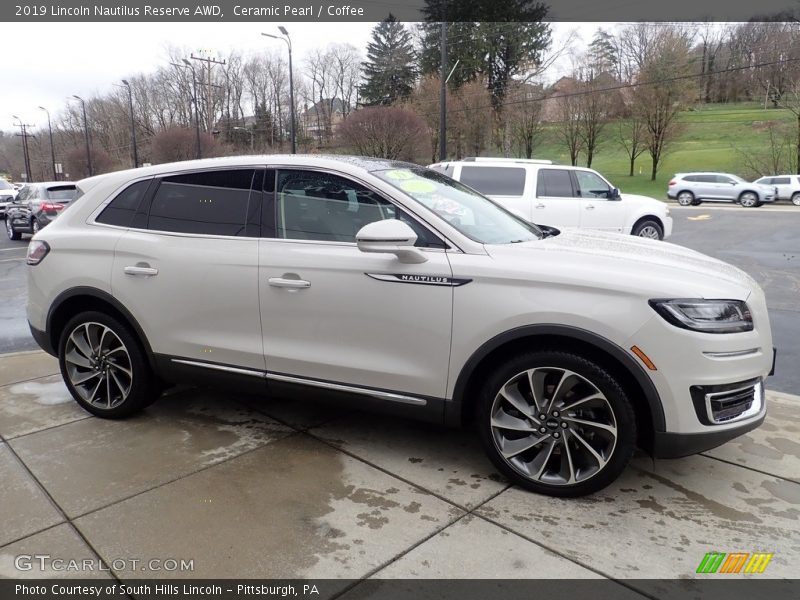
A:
(46, 394)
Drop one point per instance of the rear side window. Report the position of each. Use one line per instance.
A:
(121, 209)
(495, 181)
(211, 202)
(780, 181)
(723, 179)
(63, 193)
(554, 183)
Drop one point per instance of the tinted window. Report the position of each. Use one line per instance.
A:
(591, 185)
(723, 179)
(554, 183)
(211, 202)
(494, 181)
(780, 181)
(312, 205)
(63, 193)
(121, 209)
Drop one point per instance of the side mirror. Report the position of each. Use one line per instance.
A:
(390, 236)
(615, 195)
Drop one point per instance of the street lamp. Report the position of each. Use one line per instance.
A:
(250, 131)
(86, 135)
(188, 65)
(52, 148)
(133, 123)
(288, 41)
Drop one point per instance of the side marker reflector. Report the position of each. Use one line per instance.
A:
(644, 358)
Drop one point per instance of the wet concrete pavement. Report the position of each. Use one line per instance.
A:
(259, 488)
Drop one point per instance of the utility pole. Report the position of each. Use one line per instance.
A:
(210, 61)
(52, 147)
(25, 152)
(133, 122)
(86, 135)
(443, 97)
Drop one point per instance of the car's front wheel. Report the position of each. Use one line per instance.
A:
(556, 423)
(748, 200)
(13, 234)
(685, 198)
(649, 229)
(104, 366)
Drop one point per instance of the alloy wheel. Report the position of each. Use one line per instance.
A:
(748, 200)
(553, 426)
(35, 226)
(796, 199)
(685, 198)
(9, 228)
(98, 365)
(649, 231)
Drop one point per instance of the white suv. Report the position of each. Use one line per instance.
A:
(561, 196)
(380, 281)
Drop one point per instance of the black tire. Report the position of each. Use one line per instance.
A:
(685, 198)
(12, 233)
(697, 202)
(492, 408)
(796, 199)
(142, 386)
(648, 228)
(748, 199)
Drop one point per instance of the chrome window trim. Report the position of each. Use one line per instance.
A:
(218, 367)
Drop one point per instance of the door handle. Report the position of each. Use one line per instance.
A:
(590, 207)
(141, 270)
(292, 284)
(540, 205)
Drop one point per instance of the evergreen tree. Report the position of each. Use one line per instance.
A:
(389, 71)
(602, 55)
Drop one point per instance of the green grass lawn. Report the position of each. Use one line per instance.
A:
(708, 141)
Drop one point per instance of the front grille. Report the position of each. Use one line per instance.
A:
(716, 405)
(724, 406)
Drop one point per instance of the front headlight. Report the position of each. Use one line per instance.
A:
(707, 316)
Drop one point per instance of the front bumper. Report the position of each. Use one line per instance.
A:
(677, 445)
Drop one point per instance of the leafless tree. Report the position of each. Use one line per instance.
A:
(384, 131)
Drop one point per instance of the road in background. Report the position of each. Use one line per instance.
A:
(765, 242)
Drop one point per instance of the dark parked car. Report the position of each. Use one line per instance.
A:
(37, 205)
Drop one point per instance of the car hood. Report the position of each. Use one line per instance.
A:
(627, 263)
(643, 200)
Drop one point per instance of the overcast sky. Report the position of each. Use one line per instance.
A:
(44, 64)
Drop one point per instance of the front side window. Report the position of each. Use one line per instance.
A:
(495, 181)
(472, 214)
(591, 185)
(208, 202)
(554, 183)
(724, 179)
(313, 205)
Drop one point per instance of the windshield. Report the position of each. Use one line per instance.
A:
(4, 185)
(474, 215)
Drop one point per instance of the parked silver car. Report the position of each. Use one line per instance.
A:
(693, 188)
(36, 205)
(787, 187)
(7, 194)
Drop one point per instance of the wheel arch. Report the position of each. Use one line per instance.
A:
(749, 191)
(631, 375)
(648, 217)
(79, 299)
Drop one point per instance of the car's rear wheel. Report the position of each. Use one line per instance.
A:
(34, 226)
(685, 198)
(104, 366)
(748, 199)
(796, 199)
(556, 423)
(649, 229)
(13, 234)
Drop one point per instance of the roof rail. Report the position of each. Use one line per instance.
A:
(534, 161)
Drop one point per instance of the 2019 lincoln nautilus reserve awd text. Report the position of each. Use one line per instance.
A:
(388, 283)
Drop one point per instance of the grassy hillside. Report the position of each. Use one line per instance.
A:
(707, 143)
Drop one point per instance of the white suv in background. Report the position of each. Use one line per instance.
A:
(385, 282)
(561, 196)
(787, 187)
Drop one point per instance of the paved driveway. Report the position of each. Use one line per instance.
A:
(253, 488)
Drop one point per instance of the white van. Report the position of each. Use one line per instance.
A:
(561, 196)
